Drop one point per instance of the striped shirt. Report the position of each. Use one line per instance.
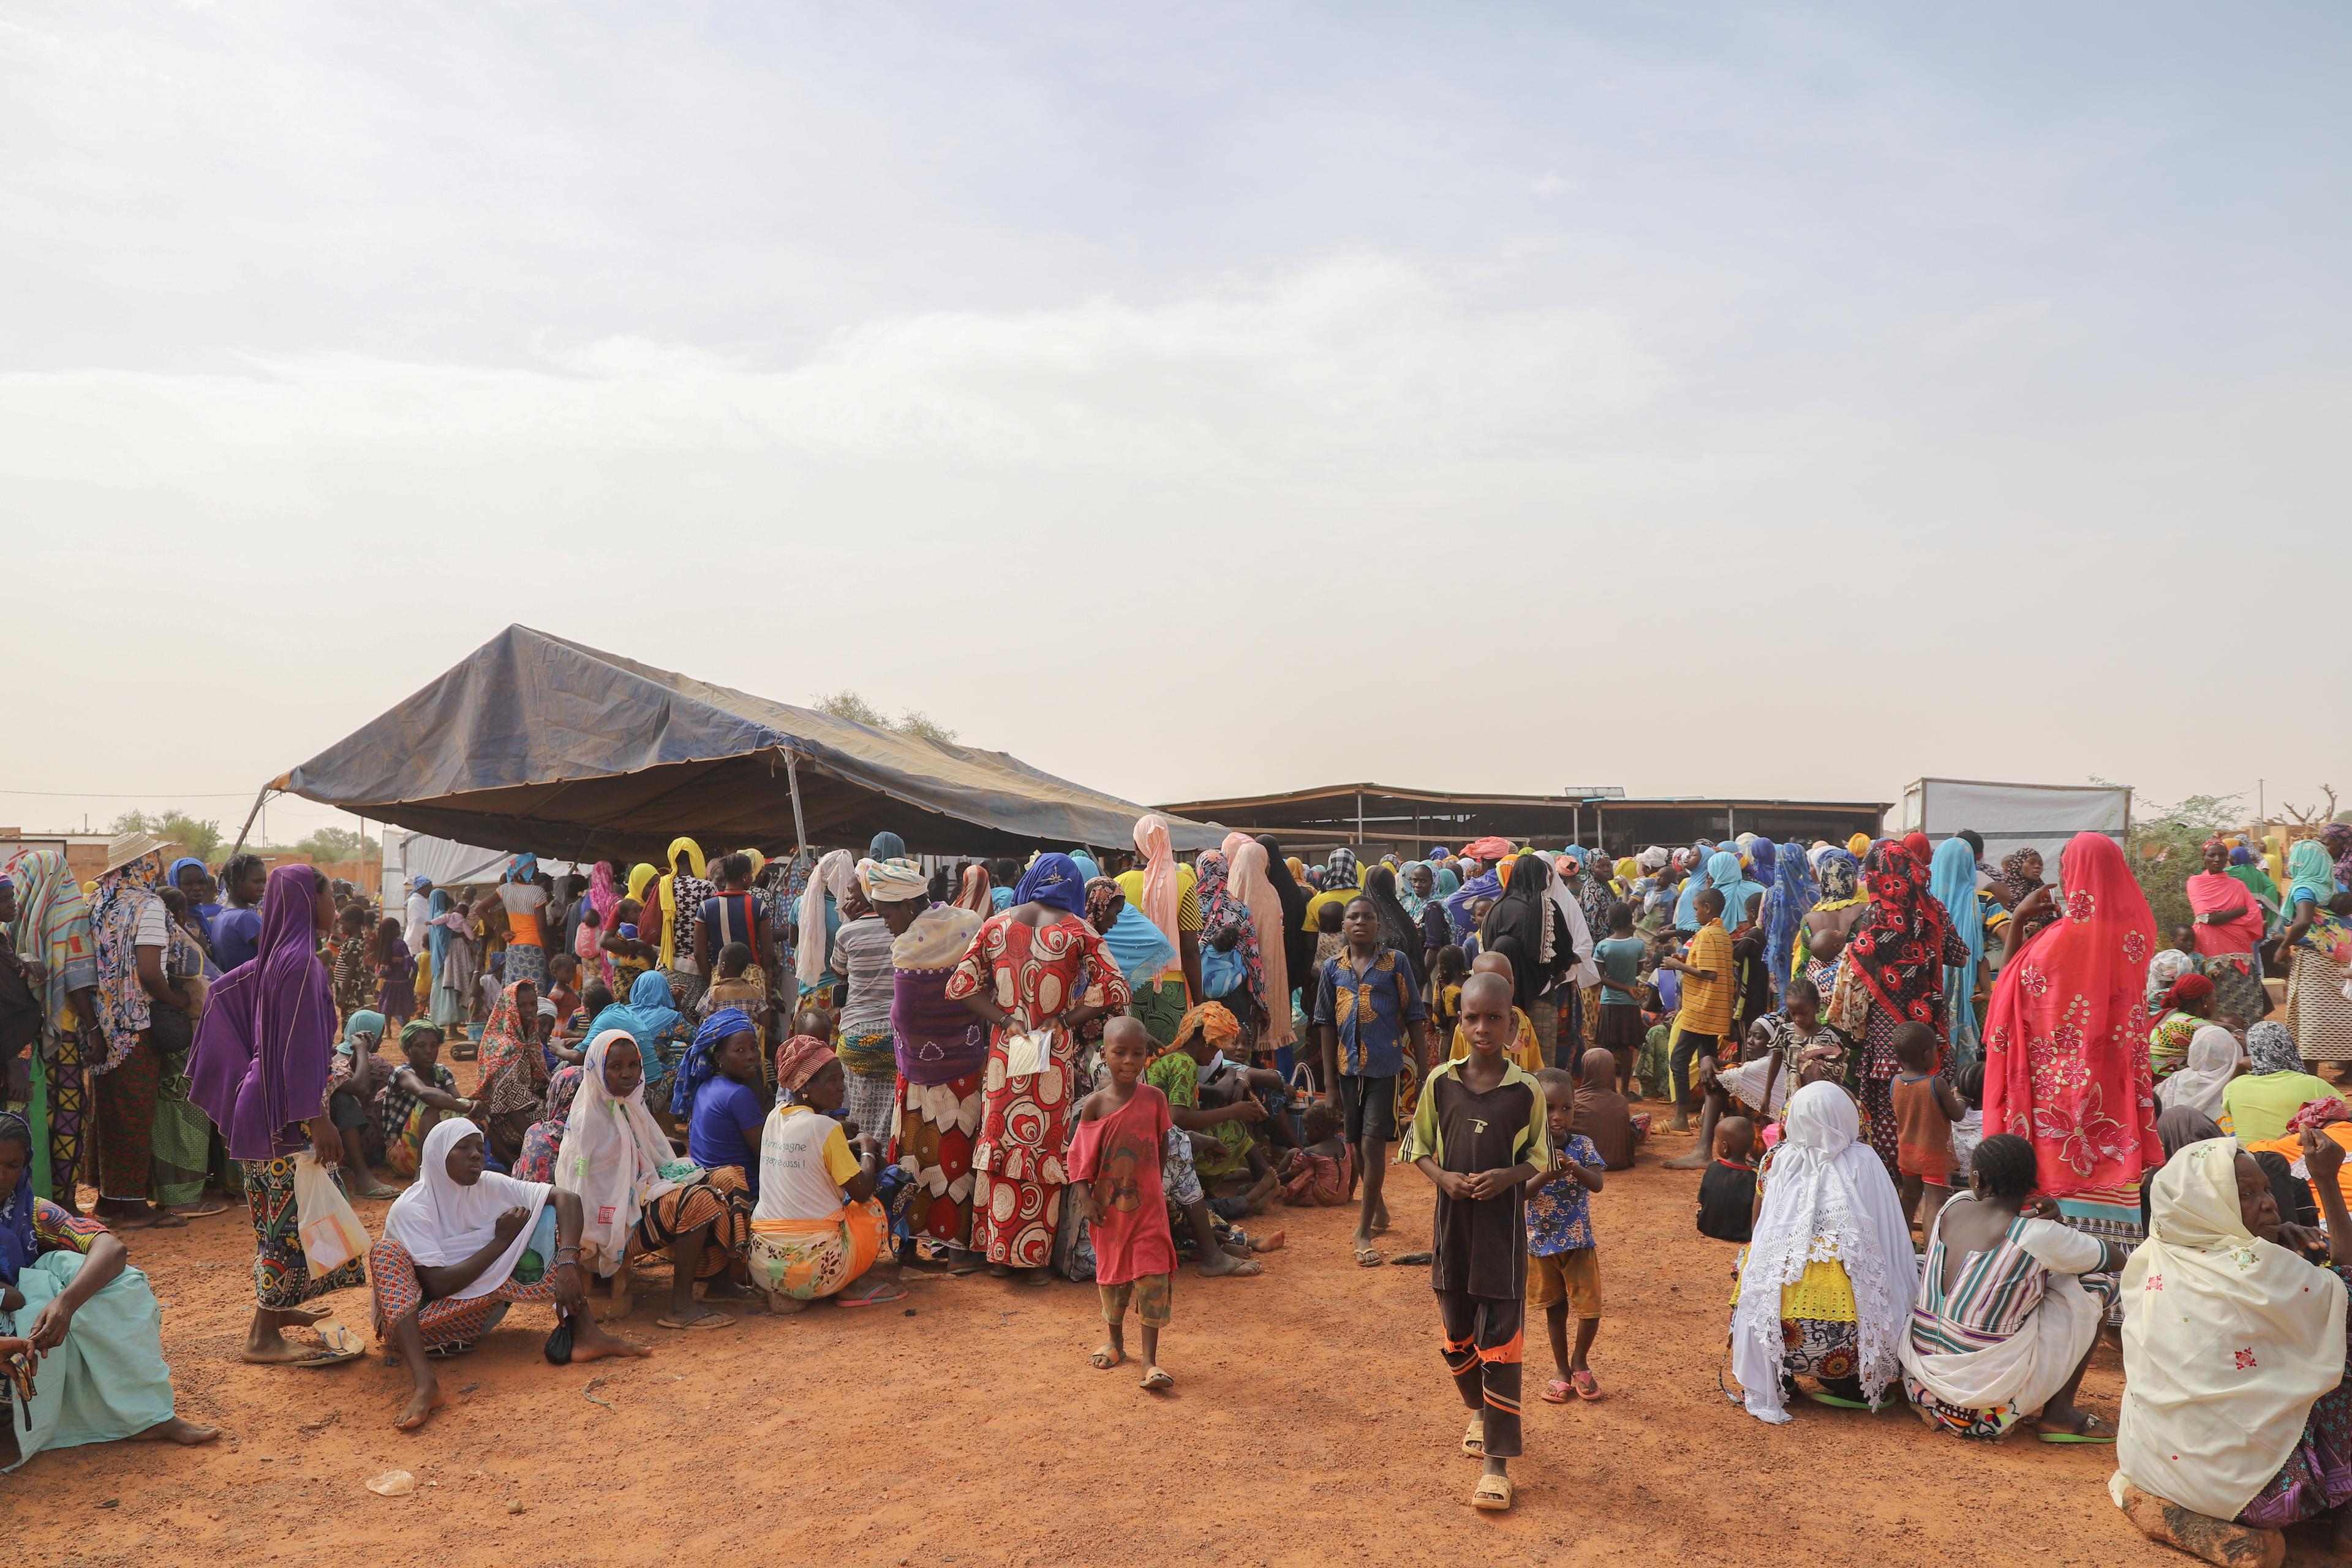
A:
(1706, 1004)
(1995, 1291)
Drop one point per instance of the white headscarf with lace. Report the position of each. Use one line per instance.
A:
(1827, 1198)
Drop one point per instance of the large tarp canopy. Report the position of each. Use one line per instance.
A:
(538, 743)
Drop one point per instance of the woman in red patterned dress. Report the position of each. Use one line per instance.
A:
(1035, 973)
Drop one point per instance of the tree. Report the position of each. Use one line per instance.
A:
(2165, 847)
(330, 844)
(199, 837)
(849, 705)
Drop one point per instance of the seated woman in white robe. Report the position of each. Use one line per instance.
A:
(2004, 1322)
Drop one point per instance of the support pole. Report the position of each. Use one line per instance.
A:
(800, 822)
(249, 815)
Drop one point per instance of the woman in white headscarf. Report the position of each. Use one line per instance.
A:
(634, 1188)
(462, 1245)
(1826, 1286)
(820, 919)
(2197, 1086)
(2235, 1406)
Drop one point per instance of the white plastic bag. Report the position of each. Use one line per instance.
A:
(331, 1234)
(1027, 1054)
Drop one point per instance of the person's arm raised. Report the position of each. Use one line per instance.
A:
(2324, 1157)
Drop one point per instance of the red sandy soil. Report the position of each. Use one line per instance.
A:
(1312, 1423)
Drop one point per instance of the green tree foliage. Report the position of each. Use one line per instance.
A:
(2165, 848)
(198, 836)
(849, 705)
(329, 845)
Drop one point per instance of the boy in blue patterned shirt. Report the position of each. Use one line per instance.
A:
(1563, 1262)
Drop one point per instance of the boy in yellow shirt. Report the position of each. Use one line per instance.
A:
(1709, 991)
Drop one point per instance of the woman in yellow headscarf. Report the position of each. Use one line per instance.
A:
(680, 892)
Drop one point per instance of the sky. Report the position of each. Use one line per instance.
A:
(1774, 400)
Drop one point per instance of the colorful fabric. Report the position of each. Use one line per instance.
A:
(52, 928)
(936, 1126)
(126, 1125)
(281, 1275)
(2223, 1333)
(1372, 1008)
(545, 1140)
(124, 1011)
(721, 1199)
(807, 1260)
(1485, 1341)
(1119, 1154)
(1036, 975)
(107, 1381)
(1707, 1004)
(2318, 968)
(266, 1046)
(513, 1069)
(1897, 950)
(405, 1120)
(2317, 1478)
(1056, 881)
(1176, 1077)
(1559, 1214)
(613, 1157)
(2065, 1055)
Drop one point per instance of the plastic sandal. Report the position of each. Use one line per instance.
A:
(1555, 1393)
(1492, 1494)
(1586, 1385)
(1474, 1441)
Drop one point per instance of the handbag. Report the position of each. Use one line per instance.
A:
(331, 1234)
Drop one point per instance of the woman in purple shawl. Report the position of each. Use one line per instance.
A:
(942, 1057)
(259, 1069)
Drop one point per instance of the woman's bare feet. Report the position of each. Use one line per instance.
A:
(1215, 1265)
(1694, 1161)
(187, 1433)
(422, 1404)
(590, 1342)
(2217, 1540)
(1269, 1243)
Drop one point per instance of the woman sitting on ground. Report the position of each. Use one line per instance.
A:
(2236, 1406)
(718, 1097)
(2257, 1105)
(2003, 1325)
(817, 1227)
(638, 1194)
(462, 1244)
(93, 1332)
(1825, 1287)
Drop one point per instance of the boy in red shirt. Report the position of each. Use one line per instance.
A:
(1114, 1170)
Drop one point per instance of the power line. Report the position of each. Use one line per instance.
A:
(134, 794)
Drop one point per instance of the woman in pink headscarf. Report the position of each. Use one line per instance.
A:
(1246, 857)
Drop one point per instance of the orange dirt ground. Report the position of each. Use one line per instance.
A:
(1312, 1423)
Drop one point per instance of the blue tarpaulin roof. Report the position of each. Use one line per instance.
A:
(536, 742)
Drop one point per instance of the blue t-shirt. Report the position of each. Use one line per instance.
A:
(715, 1133)
(236, 937)
(1620, 958)
(1559, 1216)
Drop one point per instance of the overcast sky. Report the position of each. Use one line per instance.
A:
(1767, 400)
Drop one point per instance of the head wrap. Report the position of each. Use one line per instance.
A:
(2164, 969)
(2319, 1113)
(523, 867)
(641, 877)
(887, 845)
(700, 1063)
(265, 1043)
(1518, 926)
(2270, 1048)
(1952, 882)
(545, 1138)
(439, 1222)
(2190, 988)
(897, 881)
(2066, 1036)
(1397, 927)
(1896, 950)
(1858, 846)
(1133, 943)
(1056, 881)
(800, 1059)
(1253, 890)
(2223, 1332)
(2197, 1086)
(972, 891)
(172, 877)
(1221, 906)
(363, 1022)
(418, 884)
(52, 924)
(614, 1151)
(1739, 895)
(1653, 860)
(1829, 1194)
(1212, 1022)
(2309, 874)
(1794, 894)
(1340, 871)
(1162, 889)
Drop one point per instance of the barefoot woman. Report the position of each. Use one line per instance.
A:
(90, 1325)
(461, 1245)
(260, 1068)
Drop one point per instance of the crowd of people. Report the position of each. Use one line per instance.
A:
(1955, 1118)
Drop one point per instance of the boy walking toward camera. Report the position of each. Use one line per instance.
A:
(1480, 1134)
(1114, 1169)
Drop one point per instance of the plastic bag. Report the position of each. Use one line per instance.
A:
(331, 1234)
(1027, 1054)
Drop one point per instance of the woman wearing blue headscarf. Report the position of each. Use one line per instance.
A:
(451, 1003)
(1035, 975)
(1794, 892)
(1952, 881)
(1699, 858)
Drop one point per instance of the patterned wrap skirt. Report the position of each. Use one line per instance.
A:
(451, 1319)
(807, 1260)
(937, 1124)
(721, 1200)
(281, 1275)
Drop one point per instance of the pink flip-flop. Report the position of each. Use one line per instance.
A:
(1586, 1385)
(1555, 1393)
